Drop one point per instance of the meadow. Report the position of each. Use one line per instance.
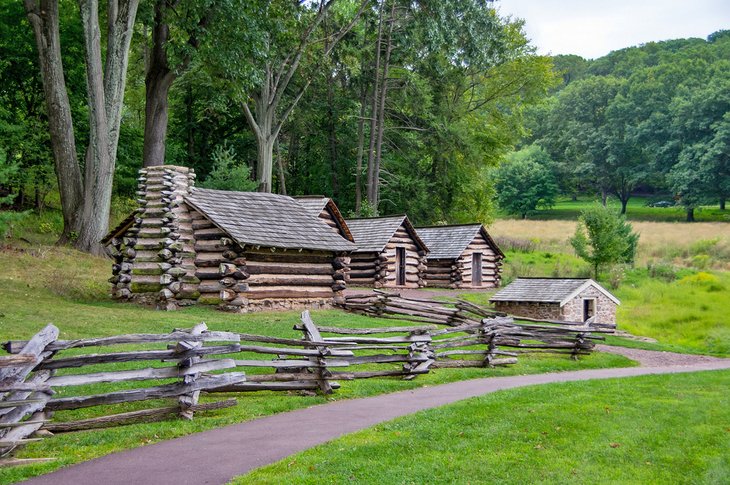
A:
(637, 209)
(675, 294)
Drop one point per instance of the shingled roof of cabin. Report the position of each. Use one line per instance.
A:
(315, 204)
(448, 242)
(268, 220)
(372, 234)
(547, 290)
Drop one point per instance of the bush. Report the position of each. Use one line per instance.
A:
(603, 238)
(228, 172)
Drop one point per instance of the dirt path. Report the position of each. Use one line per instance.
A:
(652, 358)
(216, 456)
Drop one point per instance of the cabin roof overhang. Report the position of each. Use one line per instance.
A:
(372, 234)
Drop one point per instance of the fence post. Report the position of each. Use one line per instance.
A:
(188, 401)
(312, 335)
(14, 377)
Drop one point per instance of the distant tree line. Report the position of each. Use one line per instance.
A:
(655, 117)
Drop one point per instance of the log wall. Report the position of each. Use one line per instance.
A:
(457, 273)
(379, 269)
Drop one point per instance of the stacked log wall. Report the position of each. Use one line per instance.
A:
(365, 268)
(415, 262)
(154, 258)
(443, 273)
(491, 265)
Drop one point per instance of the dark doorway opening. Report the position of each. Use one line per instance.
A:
(589, 309)
(400, 266)
(476, 269)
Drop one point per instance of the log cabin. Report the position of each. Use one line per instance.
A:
(389, 253)
(576, 300)
(242, 251)
(326, 209)
(461, 256)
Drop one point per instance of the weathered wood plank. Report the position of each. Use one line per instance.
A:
(168, 390)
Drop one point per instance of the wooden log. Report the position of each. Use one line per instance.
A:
(287, 280)
(168, 390)
(377, 330)
(272, 386)
(16, 360)
(10, 462)
(288, 268)
(383, 359)
(289, 257)
(290, 351)
(288, 292)
(145, 415)
(282, 364)
(133, 356)
(141, 374)
(34, 348)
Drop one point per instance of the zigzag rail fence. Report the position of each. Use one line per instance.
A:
(199, 360)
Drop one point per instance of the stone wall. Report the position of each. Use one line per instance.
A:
(605, 307)
(547, 311)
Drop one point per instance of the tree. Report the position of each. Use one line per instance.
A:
(86, 199)
(525, 182)
(279, 67)
(229, 173)
(603, 237)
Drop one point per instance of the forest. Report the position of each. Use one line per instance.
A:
(384, 105)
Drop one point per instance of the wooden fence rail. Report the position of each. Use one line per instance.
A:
(197, 360)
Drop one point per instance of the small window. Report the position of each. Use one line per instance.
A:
(589, 308)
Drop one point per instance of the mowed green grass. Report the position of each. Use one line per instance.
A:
(649, 429)
(636, 210)
(44, 284)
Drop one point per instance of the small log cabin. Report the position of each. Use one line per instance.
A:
(389, 253)
(566, 299)
(461, 256)
(242, 251)
(326, 209)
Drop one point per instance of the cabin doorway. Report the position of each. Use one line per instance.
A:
(400, 266)
(476, 269)
(589, 309)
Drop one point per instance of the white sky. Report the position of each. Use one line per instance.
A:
(592, 28)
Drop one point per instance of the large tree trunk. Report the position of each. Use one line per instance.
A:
(360, 151)
(372, 178)
(381, 107)
(722, 203)
(43, 17)
(157, 81)
(690, 214)
(280, 167)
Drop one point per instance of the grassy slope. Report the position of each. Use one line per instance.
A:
(637, 210)
(650, 429)
(43, 284)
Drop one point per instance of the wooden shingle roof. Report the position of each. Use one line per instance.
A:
(372, 234)
(315, 204)
(448, 242)
(267, 220)
(547, 290)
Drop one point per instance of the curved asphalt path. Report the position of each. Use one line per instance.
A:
(216, 456)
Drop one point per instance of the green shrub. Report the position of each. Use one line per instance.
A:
(228, 172)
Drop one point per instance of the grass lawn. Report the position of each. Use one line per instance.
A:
(637, 210)
(649, 429)
(42, 284)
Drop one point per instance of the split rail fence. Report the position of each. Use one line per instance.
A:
(45, 375)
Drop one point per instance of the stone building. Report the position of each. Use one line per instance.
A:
(566, 299)
(461, 256)
(241, 251)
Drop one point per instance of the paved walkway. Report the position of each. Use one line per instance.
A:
(216, 456)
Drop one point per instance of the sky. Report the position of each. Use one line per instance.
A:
(592, 28)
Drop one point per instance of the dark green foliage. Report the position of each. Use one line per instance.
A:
(525, 182)
(229, 173)
(604, 238)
